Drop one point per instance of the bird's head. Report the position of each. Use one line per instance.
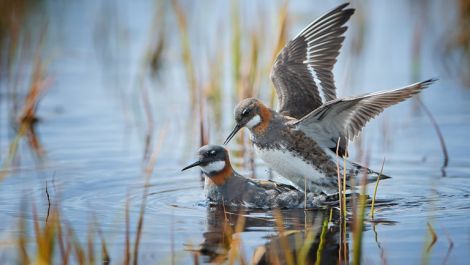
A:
(250, 113)
(213, 160)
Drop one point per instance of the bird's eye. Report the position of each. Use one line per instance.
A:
(245, 112)
(212, 153)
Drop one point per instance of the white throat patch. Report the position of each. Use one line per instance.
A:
(213, 167)
(253, 122)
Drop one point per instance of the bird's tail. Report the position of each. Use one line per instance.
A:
(372, 176)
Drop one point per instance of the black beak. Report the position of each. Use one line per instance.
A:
(197, 163)
(232, 134)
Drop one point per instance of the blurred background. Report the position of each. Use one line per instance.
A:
(99, 98)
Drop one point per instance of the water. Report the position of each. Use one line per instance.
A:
(93, 129)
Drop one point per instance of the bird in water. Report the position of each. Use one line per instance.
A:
(301, 138)
(223, 185)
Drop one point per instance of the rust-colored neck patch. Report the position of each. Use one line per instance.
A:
(221, 177)
(266, 117)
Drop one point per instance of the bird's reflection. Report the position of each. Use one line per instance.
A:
(296, 234)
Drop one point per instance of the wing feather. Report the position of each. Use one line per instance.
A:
(313, 50)
(345, 118)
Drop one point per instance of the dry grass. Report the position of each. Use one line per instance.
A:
(55, 239)
(23, 50)
(456, 50)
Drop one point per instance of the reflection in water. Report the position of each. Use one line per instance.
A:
(98, 121)
(293, 236)
(316, 239)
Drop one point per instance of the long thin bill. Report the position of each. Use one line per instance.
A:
(232, 134)
(197, 163)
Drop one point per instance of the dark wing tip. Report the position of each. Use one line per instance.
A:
(342, 6)
(425, 84)
(428, 82)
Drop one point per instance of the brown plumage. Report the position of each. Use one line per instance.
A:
(300, 138)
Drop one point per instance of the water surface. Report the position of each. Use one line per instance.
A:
(93, 128)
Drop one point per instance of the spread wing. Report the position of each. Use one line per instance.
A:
(314, 50)
(345, 118)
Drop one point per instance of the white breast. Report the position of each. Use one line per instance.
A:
(292, 168)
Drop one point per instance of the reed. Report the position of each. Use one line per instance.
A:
(372, 211)
(343, 249)
(186, 54)
(311, 233)
(23, 256)
(282, 38)
(282, 237)
(456, 51)
(359, 224)
(148, 172)
(236, 250)
(322, 241)
(236, 48)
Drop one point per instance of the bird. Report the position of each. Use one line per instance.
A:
(302, 138)
(224, 186)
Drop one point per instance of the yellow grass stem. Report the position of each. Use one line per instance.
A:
(90, 241)
(213, 89)
(26, 120)
(359, 224)
(433, 234)
(148, 171)
(22, 240)
(339, 180)
(310, 235)
(249, 78)
(282, 237)
(186, 51)
(236, 48)
(60, 239)
(105, 258)
(375, 191)
(45, 238)
(342, 252)
(236, 240)
(79, 252)
(69, 246)
(281, 41)
(343, 195)
(322, 242)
